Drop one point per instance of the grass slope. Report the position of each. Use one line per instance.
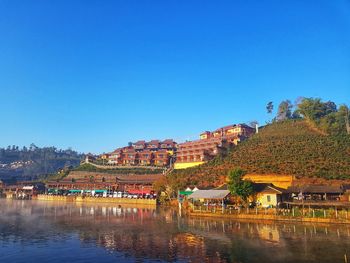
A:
(91, 168)
(290, 147)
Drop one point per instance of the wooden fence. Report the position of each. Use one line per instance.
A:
(336, 214)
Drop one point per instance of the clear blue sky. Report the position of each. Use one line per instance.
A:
(94, 75)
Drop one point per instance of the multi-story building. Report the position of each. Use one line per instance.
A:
(130, 156)
(234, 133)
(139, 145)
(161, 157)
(146, 157)
(115, 157)
(169, 145)
(153, 145)
(196, 152)
(154, 152)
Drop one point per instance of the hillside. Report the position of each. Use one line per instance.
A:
(289, 147)
(114, 170)
(34, 162)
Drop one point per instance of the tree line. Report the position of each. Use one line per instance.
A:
(325, 115)
(33, 161)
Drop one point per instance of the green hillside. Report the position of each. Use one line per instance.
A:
(31, 163)
(122, 170)
(288, 147)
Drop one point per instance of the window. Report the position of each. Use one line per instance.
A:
(268, 197)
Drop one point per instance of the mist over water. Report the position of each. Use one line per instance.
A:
(34, 231)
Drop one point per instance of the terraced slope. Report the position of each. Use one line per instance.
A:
(290, 147)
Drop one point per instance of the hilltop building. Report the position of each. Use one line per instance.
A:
(142, 153)
(196, 152)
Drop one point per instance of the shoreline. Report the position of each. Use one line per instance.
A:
(153, 203)
(271, 218)
(109, 200)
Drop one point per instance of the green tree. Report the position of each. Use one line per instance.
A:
(314, 109)
(284, 110)
(269, 107)
(238, 186)
(325, 115)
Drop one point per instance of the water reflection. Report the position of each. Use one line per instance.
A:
(107, 233)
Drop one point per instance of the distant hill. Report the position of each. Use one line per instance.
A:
(288, 147)
(34, 162)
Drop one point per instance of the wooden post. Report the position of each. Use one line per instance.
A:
(293, 213)
(313, 212)
(324, 213)
(336, 212)
(256, 210)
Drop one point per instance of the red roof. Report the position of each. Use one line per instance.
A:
(153, 142)
(168, 141)
(140, 143)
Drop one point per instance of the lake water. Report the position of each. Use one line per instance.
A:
(34, 231)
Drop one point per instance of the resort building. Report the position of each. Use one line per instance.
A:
(142, 153)
(153, 145)
(139, 145)
(115, 157)
(196, 152)
(161, 158)
(130, 156)
(78, 180)
(146, 157)
(168, 145)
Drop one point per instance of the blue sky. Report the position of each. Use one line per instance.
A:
(94, 75)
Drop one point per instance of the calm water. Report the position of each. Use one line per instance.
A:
(34, 231)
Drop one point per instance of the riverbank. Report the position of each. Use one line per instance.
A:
(270, 217)
(81, 199)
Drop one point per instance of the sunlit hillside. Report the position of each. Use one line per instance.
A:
(289, 147)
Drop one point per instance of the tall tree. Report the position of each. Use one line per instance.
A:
(344, 112)
(238, 186)
(269, 107)
(329, 107)
(284, 110)
(347, 119)
(314, 109)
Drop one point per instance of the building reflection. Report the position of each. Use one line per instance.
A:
(160, 234)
